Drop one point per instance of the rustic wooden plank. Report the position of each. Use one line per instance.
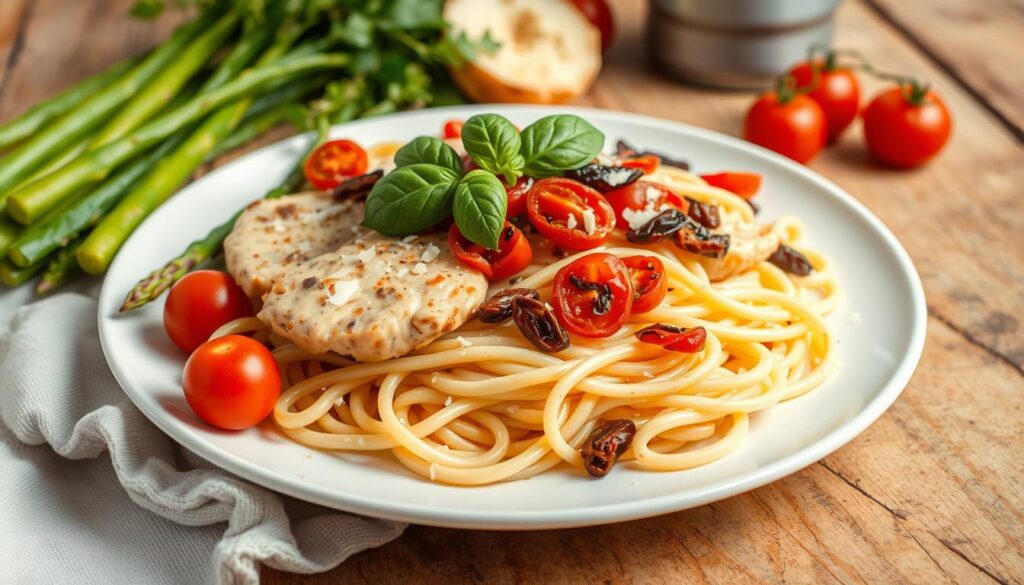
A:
(63, 42)
(14, 15)
(977, 55)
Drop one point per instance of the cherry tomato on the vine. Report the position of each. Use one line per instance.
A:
(746, 185)
(200, 303)
(834, 88)
(642, 196)
(650, 286)
(598, 13)
(333, 162)
(906, 126)
(788, 123)
(593, 295)
(570, 213)
(232, 382)
(513, 255)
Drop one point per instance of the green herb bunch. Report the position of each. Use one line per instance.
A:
(428, 183)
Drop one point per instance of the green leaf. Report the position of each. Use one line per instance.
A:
(147, 9)
(357, 31)
(429, 150)
(493, 143)
(479, 208)
(410, 199)
(415, 14)
(559, 143)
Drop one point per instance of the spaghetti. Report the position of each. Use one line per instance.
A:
(482, 405)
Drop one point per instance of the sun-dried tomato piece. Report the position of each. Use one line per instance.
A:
(660, 227)
(538, 324)
(498, 308)
(791, 261)
(706, 214)
(696, 239)
(605, 178)
(606, 443)
(356, 188)
(674, 338)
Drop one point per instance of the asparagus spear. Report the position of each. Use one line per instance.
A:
(31, 201)
(89, 114)
(12, 276)
(162, 88)
(9, 232)
(199, 251)
(98, 250)
(36, 117)
(61, 268)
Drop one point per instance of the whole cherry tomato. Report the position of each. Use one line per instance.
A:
(200, 303)
(788, 123)
(513, 255)
(746, 185)
(333, 162)
(516, 197)
(592, 295)
(906, 126)
(650, 286)
(452, 129)
(570, 213)
(598, 13)
(640, 199)
(231, 382)
(834, 88)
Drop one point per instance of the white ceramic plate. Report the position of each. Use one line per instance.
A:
(876, 356)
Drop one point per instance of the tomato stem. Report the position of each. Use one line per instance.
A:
(785, 89)
(914, 91)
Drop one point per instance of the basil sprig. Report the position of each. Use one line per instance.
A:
(410, 199)
(559, 143)
(429, 150)
(479, 208)
(428, 185)
(493, 143)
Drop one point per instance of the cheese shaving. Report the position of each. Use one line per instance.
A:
(419, 268)
(589, 221)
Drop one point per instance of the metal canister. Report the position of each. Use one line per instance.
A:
(735, 43)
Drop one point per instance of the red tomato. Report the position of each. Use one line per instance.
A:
(513, 255)
(794, 127)
(592, 296)
(517, 197)
(641, 196)
(674, 338)
(647, 275)
(836, 90)
(333, 162)
(199, 303)
(904, 127)
(558, 207)
(648, 163)
(453, 129)
(598, 13)
(746, 185)
(232, 382)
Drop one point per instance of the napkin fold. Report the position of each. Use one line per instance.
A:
(74, 521)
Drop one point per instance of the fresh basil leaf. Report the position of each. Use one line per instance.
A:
(479, 208)
(410, 199)
(493, 143)
(429, 150)
(559, 143)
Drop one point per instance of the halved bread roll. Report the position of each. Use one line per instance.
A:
(550, 53)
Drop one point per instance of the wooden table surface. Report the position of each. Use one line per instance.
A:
(932, 492)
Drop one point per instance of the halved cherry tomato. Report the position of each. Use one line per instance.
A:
(647, 274)
(746, 185)
(648, 163)
(517, 197)
(200, 303)
(643, 196)
(513, 255)
(598, 13)
(232, 382)
(674, 338)
(559, 208)
(453, 129)
(333, 162)
(593, 295)
(906, 126)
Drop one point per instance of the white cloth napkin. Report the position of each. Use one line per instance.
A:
(66, 509)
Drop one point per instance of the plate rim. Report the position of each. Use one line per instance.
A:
(592, 515)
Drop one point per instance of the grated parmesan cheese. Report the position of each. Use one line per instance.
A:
(463, 341)
(409, 239)
(367, 255)
(342, 292)
(433, 471)
(403, 272)
(571, 221)
(589, 221)
(419, 268)
(430, 253)
(619, 176)
(448, 401)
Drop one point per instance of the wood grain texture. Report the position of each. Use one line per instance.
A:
(931, 493)
(953, 31)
